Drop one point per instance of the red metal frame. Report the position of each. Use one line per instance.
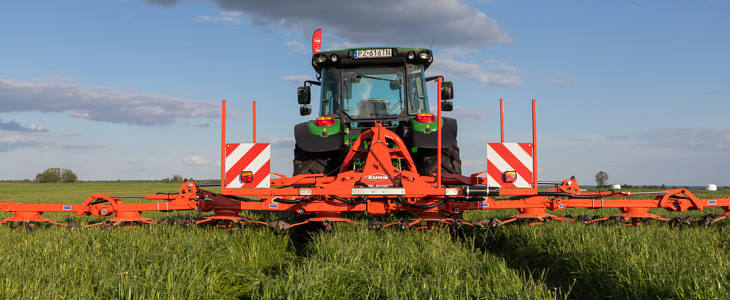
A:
(377, 188)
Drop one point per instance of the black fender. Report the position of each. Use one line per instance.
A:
(429, 140)
(309, 142)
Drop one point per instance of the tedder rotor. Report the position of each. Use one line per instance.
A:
(376, 153)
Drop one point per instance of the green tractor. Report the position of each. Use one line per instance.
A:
(366, 85)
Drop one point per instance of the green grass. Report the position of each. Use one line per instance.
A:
(354, 262)
(597, 261)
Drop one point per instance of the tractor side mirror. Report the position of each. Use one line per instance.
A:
(447, 106)
(447, 90)
(305, 110)
(304, 95)
(395, 84)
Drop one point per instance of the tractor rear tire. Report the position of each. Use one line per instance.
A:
(317, 162)
(426, 160)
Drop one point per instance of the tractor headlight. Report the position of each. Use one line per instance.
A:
(411, 55)
(321, 59)
(334, 58)
(424, 55)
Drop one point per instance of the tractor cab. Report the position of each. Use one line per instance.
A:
(361, 87)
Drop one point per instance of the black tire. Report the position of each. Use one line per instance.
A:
(426, 160)
(317, 162)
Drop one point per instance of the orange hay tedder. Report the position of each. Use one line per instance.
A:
(375, 148)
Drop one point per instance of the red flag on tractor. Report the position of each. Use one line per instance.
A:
(317, 41)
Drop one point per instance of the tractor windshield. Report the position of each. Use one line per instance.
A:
(373, 92)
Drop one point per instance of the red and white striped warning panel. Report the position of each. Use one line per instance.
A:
(248, 165)
(509, 165)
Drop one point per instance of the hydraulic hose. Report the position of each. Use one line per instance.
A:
(420, 206)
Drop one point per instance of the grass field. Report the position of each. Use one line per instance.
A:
(556, 260)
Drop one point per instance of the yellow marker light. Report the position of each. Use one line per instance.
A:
(246, 176)
(510, 176)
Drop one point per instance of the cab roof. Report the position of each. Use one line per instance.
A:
(387, 56)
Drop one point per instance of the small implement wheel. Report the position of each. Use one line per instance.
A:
(583, 218)
(375, 224)
(708, 220)
(403, 225)
(71, 225)
(108, 224)
(30, 226)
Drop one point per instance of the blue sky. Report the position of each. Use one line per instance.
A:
(131, 89)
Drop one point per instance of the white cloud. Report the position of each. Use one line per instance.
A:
(15, 126)
(473, 71)
(102, 104)
(196, 160)
(28, 139)
(222, 17)
(453, 23)
(296, 46)
(296, 78)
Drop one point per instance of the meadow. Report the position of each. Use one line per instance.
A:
(554, 260)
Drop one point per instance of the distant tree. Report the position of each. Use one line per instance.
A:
(52, 175)
(601, 178)
(68, 176)
(176, 178)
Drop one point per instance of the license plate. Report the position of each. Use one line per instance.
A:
(373, 53)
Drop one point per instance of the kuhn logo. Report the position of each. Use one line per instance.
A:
(377, 177)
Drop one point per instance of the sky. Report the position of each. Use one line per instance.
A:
(131, 89)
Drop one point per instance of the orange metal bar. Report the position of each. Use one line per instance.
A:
(223, 143)
(254, 122)
(534, 144)
(438, 135)
(501, 118)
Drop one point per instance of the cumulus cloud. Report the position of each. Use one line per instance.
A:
(196, 160)
(473, 71)
(101, 104)
(453, 23)
(23, 140)
(296, 78)
(15, 126)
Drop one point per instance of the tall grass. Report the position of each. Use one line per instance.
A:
(356, 263)
(151, 262)
(601, 261)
